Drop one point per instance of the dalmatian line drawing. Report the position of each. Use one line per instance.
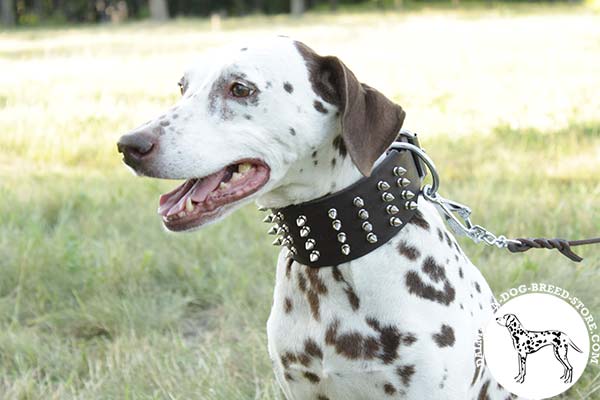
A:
(528, 342)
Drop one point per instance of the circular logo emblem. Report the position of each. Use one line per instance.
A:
(536, 345)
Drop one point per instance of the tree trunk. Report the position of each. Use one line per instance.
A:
(297, 7)
(333, 5)
(8, 12)
(158, 10)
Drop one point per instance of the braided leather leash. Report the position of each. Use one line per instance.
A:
(458, 217)
(562, 245)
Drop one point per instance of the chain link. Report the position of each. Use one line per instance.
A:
(457, 215)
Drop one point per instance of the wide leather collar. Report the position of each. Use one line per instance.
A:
(352, 222)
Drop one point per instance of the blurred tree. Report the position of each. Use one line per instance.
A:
(8, 12)
(297, 7)
(158, 10)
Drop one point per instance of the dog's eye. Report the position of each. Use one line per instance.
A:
(240, 90)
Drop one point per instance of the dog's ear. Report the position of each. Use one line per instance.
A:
(370, 121)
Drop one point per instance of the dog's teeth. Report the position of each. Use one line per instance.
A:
(189, 207)
(223, 185)
(244, 167)
(236, 176)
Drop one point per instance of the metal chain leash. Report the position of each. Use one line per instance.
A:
(458, 217)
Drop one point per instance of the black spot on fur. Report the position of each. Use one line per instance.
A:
(248, 116)
(243, 49)
(288, 267)
(419, 221)
(448, 240)
(333, 162)
(312, 378)
(410, 252)
(445, 338)
(389, 389)
(319, 107)
(419, 288)
(406, 372)
(340, 146)
(433, 269)
(292, 131)
(288, 87)
(314, 154)
(287, 305)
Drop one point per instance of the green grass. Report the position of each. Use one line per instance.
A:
(98, 302)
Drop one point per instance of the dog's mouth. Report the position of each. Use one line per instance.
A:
(201, 200)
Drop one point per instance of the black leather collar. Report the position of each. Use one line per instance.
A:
(352, 222)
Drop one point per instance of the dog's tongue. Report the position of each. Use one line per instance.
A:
(197, 189)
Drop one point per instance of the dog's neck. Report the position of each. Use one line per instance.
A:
(511, 328)
(326, 169)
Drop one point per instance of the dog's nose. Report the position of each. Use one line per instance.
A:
(136, 147)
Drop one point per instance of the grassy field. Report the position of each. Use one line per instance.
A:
(98, 302)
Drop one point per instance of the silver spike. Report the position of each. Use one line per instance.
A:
(314, 256)
(269, 218)
(281, 231)
(395, 221)
(277, 219)
(387, 196)
(345, 249)
(292, 250)
(367, 227)
(358, 201)
(277, 241)
(410, 205)
(337, 224)
(262, 208)
(407, 194)
(301, 220)
(332, 213)
(341, 237)
(304, 231)
(289, 254)
(372, 238)
(272, 230)
(391, 209)
(383, 185)
(399, 171)
(310, 244)
(402, 182)
(286, 242)
(363, 214)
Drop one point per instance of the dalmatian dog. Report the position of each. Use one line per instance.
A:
(276, 123)
(527, 342)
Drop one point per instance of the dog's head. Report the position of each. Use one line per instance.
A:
(249, 117)
(508, 320)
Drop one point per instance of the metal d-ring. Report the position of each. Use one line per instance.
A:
(429, 191)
